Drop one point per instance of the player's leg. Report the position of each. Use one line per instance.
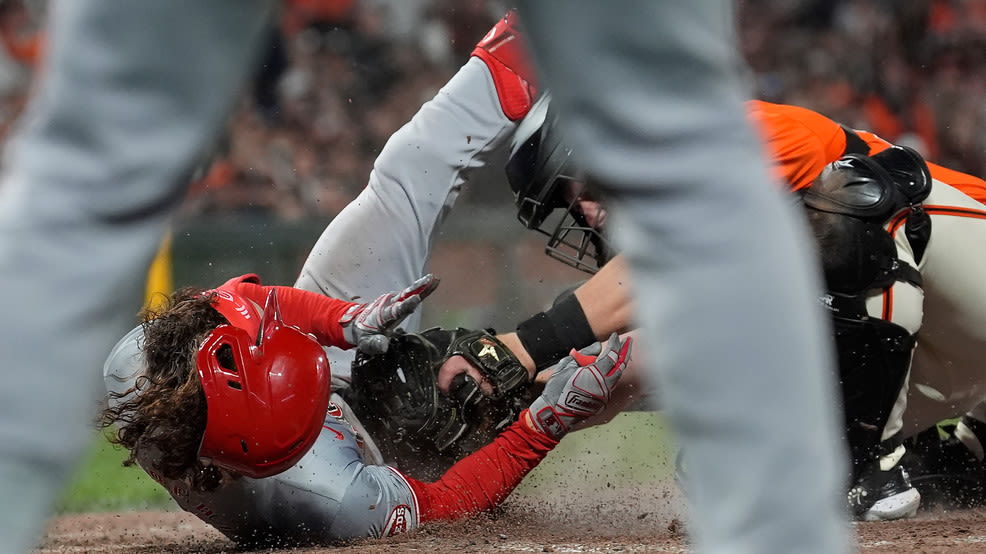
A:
(949, 370)
(130, 95)
(381, 241)
(875, 349)
(652, 96)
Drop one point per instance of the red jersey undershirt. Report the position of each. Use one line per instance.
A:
(309, 311)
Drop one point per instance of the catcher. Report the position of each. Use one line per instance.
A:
(802, 144)
(232, 411)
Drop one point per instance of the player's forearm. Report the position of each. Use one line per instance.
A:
(309, 311)
(482, 480)
(512, 341)
(599, 307)
(606, 299)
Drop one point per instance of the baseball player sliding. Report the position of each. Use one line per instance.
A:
(416, 181)
(229, 406)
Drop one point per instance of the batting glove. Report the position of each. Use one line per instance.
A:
(580, 386)
(368, 326)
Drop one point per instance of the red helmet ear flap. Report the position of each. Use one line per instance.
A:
(222, 362)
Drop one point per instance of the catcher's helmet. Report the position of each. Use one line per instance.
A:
(267, 395)
(871, 187)
(543, 177)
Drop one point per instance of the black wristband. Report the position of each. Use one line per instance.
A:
(549, 336)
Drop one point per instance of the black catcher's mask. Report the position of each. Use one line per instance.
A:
(544, 178)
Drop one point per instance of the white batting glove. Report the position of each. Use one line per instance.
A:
(580, 386)
(368, 326)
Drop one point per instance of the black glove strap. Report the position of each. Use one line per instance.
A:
(549, 336)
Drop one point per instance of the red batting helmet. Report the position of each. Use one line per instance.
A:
(267, 395)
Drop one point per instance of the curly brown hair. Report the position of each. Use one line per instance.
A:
(168, 416)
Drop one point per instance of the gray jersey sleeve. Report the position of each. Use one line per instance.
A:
(455, 138)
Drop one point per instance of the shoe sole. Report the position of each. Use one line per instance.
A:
(899, 506)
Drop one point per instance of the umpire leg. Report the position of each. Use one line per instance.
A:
(131, 94)
(650, 93)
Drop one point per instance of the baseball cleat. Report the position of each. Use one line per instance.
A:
(884, 496)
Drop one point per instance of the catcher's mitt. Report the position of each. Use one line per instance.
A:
(417, 427)
(500, 368)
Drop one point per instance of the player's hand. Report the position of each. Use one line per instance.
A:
(368, 326)
(455, 370)
(580, 386)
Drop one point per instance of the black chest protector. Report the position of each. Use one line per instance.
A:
(847, 207)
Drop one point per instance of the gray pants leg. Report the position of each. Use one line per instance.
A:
(651, 96)
(131, 95)
(381, 241)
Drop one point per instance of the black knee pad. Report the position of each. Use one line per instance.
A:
(874, 357)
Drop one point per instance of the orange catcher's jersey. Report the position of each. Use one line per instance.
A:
(801, 142)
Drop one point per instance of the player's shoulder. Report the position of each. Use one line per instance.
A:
(799, 141)
(790, 117)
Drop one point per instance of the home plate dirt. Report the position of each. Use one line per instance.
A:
(517, 528)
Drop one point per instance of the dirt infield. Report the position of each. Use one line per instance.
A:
(516, 529)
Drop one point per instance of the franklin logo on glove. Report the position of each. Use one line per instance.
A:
(578, 401)
(580, 386)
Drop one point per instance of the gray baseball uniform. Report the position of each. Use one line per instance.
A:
(130, 94)
(339, 490)
(328, 494)
(650, 94)
(415, 181)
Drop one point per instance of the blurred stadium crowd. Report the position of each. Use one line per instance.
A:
(337, 77)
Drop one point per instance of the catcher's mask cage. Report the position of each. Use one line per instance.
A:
(266, 395)
(540, 172)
